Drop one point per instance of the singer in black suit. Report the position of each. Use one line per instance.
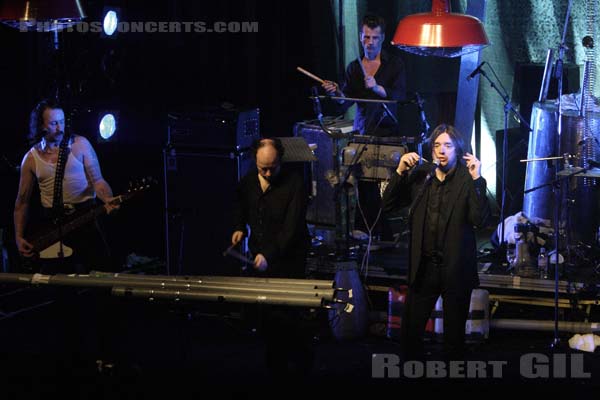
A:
(446, 203)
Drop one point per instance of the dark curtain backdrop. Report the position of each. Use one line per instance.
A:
(144, 76)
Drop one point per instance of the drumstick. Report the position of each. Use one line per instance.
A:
(236, 254)
(305, 72)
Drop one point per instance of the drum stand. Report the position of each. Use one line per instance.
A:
(342, 184)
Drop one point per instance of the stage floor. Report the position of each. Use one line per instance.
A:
(189, 354)
(187, 347)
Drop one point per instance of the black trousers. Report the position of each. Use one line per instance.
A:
(84, 318)
(420, 302)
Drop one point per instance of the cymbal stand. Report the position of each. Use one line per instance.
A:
(558, 71)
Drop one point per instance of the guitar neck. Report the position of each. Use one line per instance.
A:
(68, 226)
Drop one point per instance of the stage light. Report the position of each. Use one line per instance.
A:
(107, 126)
(440, 33)
(32, 14)
(110, 22)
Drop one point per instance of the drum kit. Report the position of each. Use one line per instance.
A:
(568, 184)
(354, 156)
(563, 179)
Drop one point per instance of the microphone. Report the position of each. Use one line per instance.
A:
(317, 103)
(475, 72)
(436, 164)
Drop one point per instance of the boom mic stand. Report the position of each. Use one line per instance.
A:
(508, 107)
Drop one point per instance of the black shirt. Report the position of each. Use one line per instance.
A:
(277, 220)
(391, 75)
(433, 234)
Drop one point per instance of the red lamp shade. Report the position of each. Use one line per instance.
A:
(440, 33)
(25, 14)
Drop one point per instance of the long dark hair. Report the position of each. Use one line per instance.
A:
(36, 119)
(455, 136)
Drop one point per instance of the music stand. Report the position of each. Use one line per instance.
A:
(296, 150)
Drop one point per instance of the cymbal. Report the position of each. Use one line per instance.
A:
(578, 171)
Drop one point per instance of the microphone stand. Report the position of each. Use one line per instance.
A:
(508, 107)
(344, 180)
(424, 127)
(336, 168)
(558, 74)
(419, 196)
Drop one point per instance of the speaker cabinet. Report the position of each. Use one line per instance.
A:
(199, 193)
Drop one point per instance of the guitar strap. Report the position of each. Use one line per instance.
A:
(57, 198)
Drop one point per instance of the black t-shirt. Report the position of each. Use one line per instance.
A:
(370, 118)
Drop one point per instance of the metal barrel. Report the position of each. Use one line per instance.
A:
(542, 144)
(581, 136)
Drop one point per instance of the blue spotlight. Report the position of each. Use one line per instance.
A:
(107, 126)
(110, 23)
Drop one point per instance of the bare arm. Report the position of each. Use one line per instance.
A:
(93, 172)
(27, 182)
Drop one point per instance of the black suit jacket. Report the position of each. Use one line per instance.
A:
(467, 208)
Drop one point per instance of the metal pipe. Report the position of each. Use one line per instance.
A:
(151, 294)
(541, 325)
(210, 290)
(315, 283)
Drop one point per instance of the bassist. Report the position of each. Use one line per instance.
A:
(81, 184)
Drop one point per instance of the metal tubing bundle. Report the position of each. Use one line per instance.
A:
(293, 292)
(248, 281)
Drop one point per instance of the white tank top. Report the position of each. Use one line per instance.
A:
(76, 188)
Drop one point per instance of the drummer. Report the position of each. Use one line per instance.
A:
(376, 75)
